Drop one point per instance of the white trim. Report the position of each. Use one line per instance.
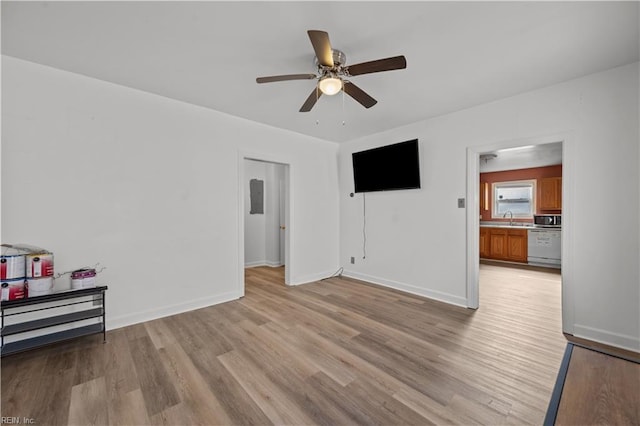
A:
(165, 311)
(622, 341)
(473, 227)
(408, 288)
(568, 288)
(269, 263)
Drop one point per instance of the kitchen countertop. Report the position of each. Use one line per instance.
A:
(516, 225)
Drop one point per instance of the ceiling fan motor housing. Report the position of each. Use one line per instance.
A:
(339, 59)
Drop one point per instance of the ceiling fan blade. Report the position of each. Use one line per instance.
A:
(387, 64)
(273, 78)
(311, 100)
(358, 94)
(322, 47)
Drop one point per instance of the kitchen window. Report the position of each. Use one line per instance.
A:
(517, 197)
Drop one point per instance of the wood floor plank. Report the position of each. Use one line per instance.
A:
(178, 414)
(45, 399)
(286, 371)
(349, 403)
(87, 407)
(384, 409)
(128, 408)
(430, 409)
(394, 364)
(600, 389)
(191, 330)
(335, 367)
(192, 388)
(159, 333)
(273, 402)
(240, 407)
(157, 388)
(90, 360)
(120, 371)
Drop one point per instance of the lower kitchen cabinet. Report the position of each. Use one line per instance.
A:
(484, 242)
(517, 245)
(503, 244)
(497, 243)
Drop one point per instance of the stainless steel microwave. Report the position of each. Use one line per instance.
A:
(551, 220)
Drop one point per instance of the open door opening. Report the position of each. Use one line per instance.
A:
(264, 218)
(502, 233)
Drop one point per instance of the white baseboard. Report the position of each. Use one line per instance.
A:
(607, 337)
(408, 288)
(257, 263)
(138, 317)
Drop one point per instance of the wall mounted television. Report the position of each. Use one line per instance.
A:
(387, 168)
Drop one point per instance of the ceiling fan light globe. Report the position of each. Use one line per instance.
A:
(330, 85)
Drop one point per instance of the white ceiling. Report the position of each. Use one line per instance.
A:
(522, 157)
(459, 54)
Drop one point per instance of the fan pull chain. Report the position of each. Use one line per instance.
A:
(343, 122)
(317, 97)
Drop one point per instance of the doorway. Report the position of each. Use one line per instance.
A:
(476, 199)
(264, 216)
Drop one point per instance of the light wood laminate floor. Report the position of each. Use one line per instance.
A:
(333, 352)
(600, 389)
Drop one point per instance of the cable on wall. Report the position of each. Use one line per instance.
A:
(364, 226)
(337, 273)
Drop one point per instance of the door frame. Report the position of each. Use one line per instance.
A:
(288, 213)
(473, 219)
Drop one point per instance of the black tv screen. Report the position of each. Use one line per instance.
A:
(387, 168)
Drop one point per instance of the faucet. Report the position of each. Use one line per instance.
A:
(510, 217)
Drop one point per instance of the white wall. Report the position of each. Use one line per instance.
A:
(416, 239)
(262, 231)
(148, 186)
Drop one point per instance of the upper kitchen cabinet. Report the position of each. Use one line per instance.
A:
(550, 193)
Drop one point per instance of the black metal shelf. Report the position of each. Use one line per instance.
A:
(23, 327)
(47, 339)
(53, 297)
(64, 299)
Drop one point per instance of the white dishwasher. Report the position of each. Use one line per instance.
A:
(544, 247)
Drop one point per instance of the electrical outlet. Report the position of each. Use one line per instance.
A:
(353, 260)
(461, 203)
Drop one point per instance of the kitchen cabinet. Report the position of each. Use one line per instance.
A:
(497, 243)
(517, 245)
(503, 244)
(550, 193)
(484, 242)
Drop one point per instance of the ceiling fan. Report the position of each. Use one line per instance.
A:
(333, 73)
